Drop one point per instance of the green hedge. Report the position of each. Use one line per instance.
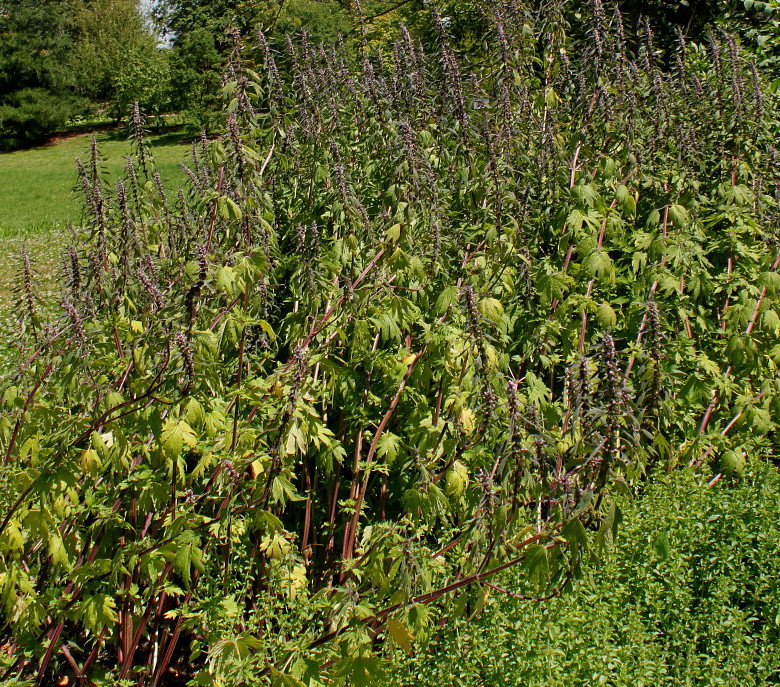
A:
(689, 596)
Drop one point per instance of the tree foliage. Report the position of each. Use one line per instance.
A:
(35, 42)
(116, 59)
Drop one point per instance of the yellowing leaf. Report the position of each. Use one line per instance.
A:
(467, 420)
(57, 550)
(256, 468)
(90, 461)
(491, 309)
(13, 537)
(297, 579)
(400, 634)
(456, 480)
(606, 316)
(275, 546)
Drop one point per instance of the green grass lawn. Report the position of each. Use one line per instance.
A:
(37, 186)
(38, 199)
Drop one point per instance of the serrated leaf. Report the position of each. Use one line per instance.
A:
(175, 436)
(193, 413)
(598, 264)
(361, 671)
(606, 316)
(400, 634)
(275, 545)
(97, 611)
(387, 447)
(394, 233)
(679, 215)
(446, 298)
(456, 480)
(187, 556)
(226, 280)
(280, 679)
(626, 200)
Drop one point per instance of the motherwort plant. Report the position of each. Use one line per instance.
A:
(416, 317)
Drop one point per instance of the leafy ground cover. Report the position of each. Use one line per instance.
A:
(413, 321)
(689, 595)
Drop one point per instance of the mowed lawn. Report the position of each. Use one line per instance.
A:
(37, 200)
(38, 186)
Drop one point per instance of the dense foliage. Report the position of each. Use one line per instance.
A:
(689, 596)
(418, 318)
(60, 58)
(116, 60)
(34, 46)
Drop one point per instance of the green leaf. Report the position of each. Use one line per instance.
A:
(732, 463)
(574, 532)
(193, 413)
(387, 447)
(537, 564)
(626, 200)
(97, 611)
(606, 316)
(226, 280)
(598, 264)
(56, 548)
(228, 209)
(280, 679)
(537, 390)
(188, 555)
(662, 546)
(446, 298)
(175, 436)
(360, 671)
(679, 215)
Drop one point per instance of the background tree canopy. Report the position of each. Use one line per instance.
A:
(59, 58)
(115, 57)
(36, 41)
